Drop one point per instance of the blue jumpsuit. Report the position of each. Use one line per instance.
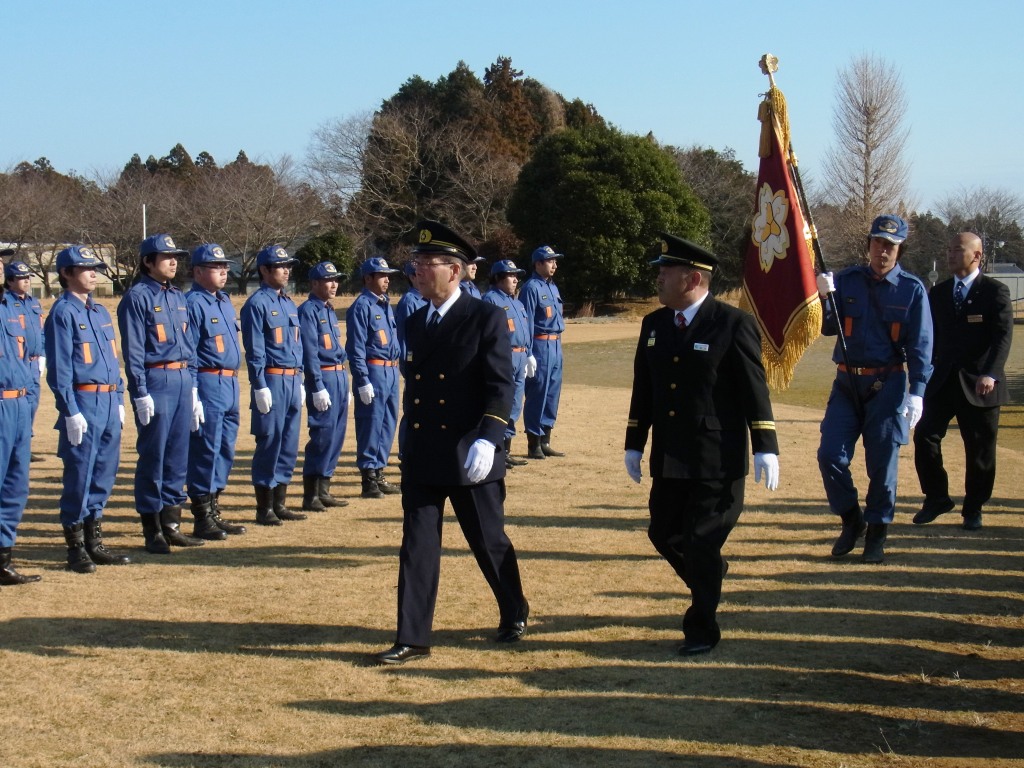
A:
(30, 315)
(273, 355)
(372, 347)
(83, 371)
(323, 360)
(15, 421)
(887, 324)
(468, 286)
(213, 327)
(543, 306)
(411, 301)
(159, 360)
(519, 336)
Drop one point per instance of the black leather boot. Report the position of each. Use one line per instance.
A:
(510, 460)
(170, 524)
(311, 494)
(370, 489)
(384, 485)
(853, 527)
(78, 559)
(324, 492)
(205, 526)
(533, 449)
(98, 552)
(229, 528)
(156, 544)
(265, 506)
(10, 577)
(874, 543)
(280, 499)
(545, 444)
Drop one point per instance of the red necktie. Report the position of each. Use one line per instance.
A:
(680, 320)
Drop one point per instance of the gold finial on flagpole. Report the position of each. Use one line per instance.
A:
(769, 65)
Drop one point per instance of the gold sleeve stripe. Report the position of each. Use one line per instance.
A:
(763, 425)
(496, 418)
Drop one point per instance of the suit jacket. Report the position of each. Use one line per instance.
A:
(458, 388)
(975, 342)
(700, 390)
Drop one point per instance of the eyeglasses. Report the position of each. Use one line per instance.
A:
(426, 264)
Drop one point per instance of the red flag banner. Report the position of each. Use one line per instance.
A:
(778, 272)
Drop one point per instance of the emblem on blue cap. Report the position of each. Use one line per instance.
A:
(168, 242)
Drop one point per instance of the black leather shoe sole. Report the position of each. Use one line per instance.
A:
(693, 648)
(399, 654)
(929, 511)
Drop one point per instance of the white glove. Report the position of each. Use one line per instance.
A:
(42, 365)
(264, 400)
(351, 399)
(321, 399)
(198, 413)
(912, 408)
(77, 426)
(144, 409)
(633, 464)
(480, 460)
(120, 413)
(826, 284)
(365, 394)
(768, 462)
(531, 367)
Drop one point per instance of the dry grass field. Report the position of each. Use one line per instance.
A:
(254, 652)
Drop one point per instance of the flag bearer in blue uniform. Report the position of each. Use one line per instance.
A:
(213, 328)
(543, 303)
(18, 281)
(159, 363)
(323, 360)
(273, 354)
(85, 377)
(504, 279)
(372, 347)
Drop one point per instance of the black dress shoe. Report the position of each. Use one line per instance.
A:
(399, 654)
(513, 631)
(695, 648)
(972, 521)
(932, 509)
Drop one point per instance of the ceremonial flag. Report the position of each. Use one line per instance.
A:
(778, 272)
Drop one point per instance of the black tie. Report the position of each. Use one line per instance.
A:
(433, 322)
(958, 296)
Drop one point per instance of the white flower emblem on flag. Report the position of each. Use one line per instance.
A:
(769, 230)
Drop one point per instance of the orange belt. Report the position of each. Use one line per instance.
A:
(95, 387)
(547, 337)
(169, 366)
(870, 371)
(282, 371)
(518, 349)
(385, 363)
(10, 394)
(332, 367)
(219, 371)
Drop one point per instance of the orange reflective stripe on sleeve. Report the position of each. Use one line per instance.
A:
(279, 336)
(219, 342)
(161, 333)
(383, 336)
(86, 352)
(328, 344)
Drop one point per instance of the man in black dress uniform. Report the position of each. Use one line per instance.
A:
(698, 382)
(458, 396)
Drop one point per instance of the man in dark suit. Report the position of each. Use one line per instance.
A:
(973, 320)
(699, 385)
(458, 396)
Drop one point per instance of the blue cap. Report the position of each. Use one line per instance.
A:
(16, 270)
(160, 244)
(79, 256)
(209, 253)
(679, 252)
(506, 267)
(376, 266)
(274, 256)
(891, 228)
(324, 271)
(546, 253)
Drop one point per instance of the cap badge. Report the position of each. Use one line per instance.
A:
(425, 236)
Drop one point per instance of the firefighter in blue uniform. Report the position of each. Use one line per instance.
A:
(85, 377)
(273, 355)
(504, 279)
(468, 282)
(159, 363)
(887, 324)
(411, 300)
(213, 327)
(18, 281)
(372, 346)
(15, 434)
(323, 360)
(543, 303)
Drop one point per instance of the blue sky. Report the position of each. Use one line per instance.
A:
(87, 84)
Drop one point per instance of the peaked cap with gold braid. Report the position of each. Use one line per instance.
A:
(435, 237)
(675, 251)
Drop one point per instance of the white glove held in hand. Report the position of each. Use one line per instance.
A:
(826, 284)
(42, 365)
(365, 394)
(768, 462)
(198, 413)
(633, 465)
(321, 399)
(77, 426)
(530, 368)
(144, 409)
(120, 414)
(912, 408)
(264, 400)
(480, 460)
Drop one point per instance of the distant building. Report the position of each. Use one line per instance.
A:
(1012, 277)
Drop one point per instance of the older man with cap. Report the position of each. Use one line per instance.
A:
(84, 375)
(877, 395)
(543, 303)
(323, 360)
(18, 281)
(213, 327)
(458, 396)
(372, 346)
(699, 388)
(273, 355)
(504, 279)
(160, 366)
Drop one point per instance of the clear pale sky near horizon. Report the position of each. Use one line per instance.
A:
(88, 84)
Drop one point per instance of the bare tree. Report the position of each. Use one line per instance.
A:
(967, 202)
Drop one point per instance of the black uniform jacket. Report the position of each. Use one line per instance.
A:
(458, 388)
(701, 389)
(974, 343)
